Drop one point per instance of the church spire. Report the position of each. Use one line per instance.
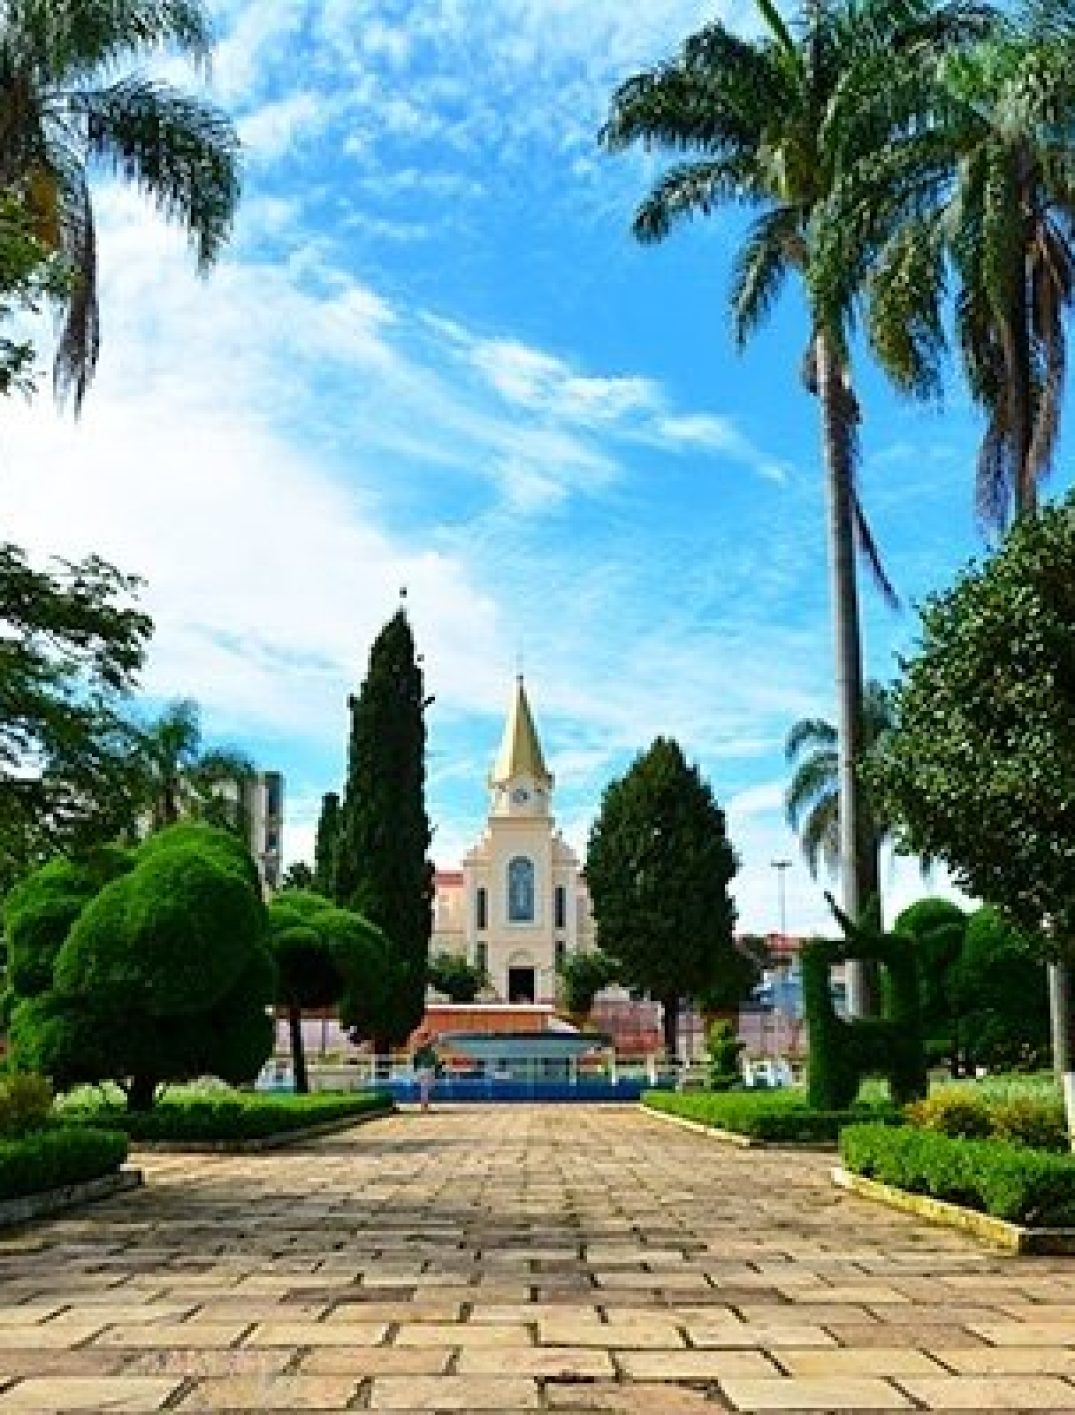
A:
(520, 750)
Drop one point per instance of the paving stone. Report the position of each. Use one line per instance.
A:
(271, 1393)
(463, 1334)
(120, 1393)
(167, 1336)
(317, 1334)
(814, 1393)
(376, 1361)
(694, 1365)
(869, 1361)
(1009, 1360)
(454, 1393)
(993, 1392)
(552, 1362)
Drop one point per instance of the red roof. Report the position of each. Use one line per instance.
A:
(448, 877)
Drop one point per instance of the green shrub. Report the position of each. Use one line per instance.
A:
(779, 1117)
(1040, 1124)
(1008, 1181)
(952, 1112)
(229, 1116)
(724, 1048)
(25, 1104)
(975, 1113)
(49, 1159)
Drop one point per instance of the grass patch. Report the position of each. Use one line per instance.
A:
(779, 1116)
(57, 1156)
(1008, 1181)
(224, 1116)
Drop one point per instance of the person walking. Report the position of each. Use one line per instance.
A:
(425, 1069)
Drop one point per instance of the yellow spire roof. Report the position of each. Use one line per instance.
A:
(520, 750)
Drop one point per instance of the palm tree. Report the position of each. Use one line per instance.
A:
(68, 101)
(981, 196)
(812, 800)
(771, 123)
(180, 781)
(983, 193)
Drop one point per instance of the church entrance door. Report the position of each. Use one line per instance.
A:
(521, 985)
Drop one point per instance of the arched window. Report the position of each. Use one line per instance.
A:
(481, 908)
(521, 890)
(560, 907)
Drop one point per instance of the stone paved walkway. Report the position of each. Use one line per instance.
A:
(510, 1259)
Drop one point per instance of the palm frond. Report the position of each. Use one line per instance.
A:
(179, 151)
(690, 189)
(79, 344)
(819, 838)
(814, 779)
(77, 39)
(774, 244)
(812, 732)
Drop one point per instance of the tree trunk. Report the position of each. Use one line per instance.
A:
(141, 1093)
(670, 1025)
(836, 446)
(298, 1053)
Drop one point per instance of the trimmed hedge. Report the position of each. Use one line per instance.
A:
(238, 1116)
(779, 1117)
(60, 1155)
(1007, 1181)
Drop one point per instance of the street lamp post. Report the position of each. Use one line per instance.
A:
(781, 867)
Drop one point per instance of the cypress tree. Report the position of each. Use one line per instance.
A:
(326, 845)
(659, 865)
(382, 865)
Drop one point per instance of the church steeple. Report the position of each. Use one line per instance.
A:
(520, 751)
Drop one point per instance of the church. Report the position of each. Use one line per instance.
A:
(519, 906)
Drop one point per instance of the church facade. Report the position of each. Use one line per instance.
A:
(519, 907)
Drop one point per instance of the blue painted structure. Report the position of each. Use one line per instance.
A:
(484, 1089)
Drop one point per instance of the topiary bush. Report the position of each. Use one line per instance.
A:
(724, 1048)
(162, 973)
(777, 1117)
(844, 1052)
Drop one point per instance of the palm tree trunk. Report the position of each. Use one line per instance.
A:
(298, 1053)
(670, 1006)
(837, 449)
(1015, 339)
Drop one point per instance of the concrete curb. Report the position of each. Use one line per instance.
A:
(281, 1140)
(733, 1137)
(54, 1201)
(1011, 1237)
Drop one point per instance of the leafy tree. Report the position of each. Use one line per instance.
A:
(382, 865)
(451, 974)
(740, 973)
(298, 875)
(658, 865)
(939, 929)
(582, 977)
(1002, 995)
(70, 99)
(178, 779)
(72, 643)
(812, 800)
(143, 966)
(980, 768)
(325, 957)
(328, 830)
(771, 122)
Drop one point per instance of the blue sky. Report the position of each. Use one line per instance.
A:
(434, 356)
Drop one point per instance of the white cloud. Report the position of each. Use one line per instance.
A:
(276, 128)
